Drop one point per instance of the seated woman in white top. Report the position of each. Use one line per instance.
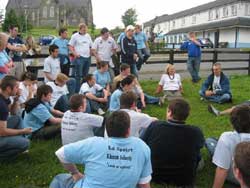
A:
(170, 83)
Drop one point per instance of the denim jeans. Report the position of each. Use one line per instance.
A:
(71, 85)
(143, 54)
(62, 103)
(193, 66)
(81, 69)
(11, 146)
(210, 144)
(92, 105)
(150, 99)
(62, 181)
(64, 63)
(216, 98)
(133, 69)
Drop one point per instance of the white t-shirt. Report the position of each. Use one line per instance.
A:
(138, 121)
(52, 66)
(82, 44)
(57, 92)
(25, 92)
(170, 83)
(104, 49)
(216, 84)
(77, 126)
(224, 151)
(85, 88)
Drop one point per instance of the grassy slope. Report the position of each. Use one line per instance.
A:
(39, 166)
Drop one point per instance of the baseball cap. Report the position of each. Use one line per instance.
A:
(130, 27)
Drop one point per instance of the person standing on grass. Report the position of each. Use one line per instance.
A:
(62, 43)
(193, 46)
(12, 141)
(117, 161)
(222, 150)
(80, 45)
(15, 49)
(216, 88)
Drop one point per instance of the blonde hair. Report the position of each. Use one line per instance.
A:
(62, 78)
(81, 25)
(3, 39)
(168, 67)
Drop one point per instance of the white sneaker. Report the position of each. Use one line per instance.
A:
(100, 111)
(161, 101)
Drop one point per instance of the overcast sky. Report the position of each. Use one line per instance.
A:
(108, 12)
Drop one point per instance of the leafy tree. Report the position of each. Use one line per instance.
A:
(129, 17)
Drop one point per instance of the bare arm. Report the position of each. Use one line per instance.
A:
(147, 185)
(21, 48)
(94, 53)
(159, 89)
(48, 76)
(72, 50)
(54, 120)
(220, 176)
(57, 113)
(4, 131)
(93, 97)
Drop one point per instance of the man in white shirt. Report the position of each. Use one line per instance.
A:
(80, 45)
(139, 121)
(77, 125)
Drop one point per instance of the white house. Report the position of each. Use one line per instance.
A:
(220, 20)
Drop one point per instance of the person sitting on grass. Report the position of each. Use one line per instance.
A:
(222, 150)
(125, 85)
(38, 115)
(139, 121)
(175, 146)
(242, 164)
(12, 141)
(117, 161)
(102, 75)
(77, 125)
(124, 72)
(217, 87)
(97, 96)
(170, 83)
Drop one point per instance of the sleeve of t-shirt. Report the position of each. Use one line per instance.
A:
(222, 155)
(98, 87)
(42, 113)
(95, 44)
(94, 120)
(145, 120)
(84, 89)
(72, 41)
(78, 152)
(145, 176)
(162, 80)
(46, 67)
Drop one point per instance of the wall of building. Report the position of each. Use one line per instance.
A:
(244, 38)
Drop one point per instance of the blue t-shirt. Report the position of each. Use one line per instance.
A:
(16, 56)
(62, 44)
(102, 78)
(36, 118)
(110, 162)
(121, 36)
(193, 49)
(115, 100)
(140, 39)
(4, 58)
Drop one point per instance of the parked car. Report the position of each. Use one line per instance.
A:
(206, 43)
(46, 39)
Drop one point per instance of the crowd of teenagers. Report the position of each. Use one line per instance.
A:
(99, 116)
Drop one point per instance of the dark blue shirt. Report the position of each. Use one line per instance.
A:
(16, 56)
(4, 109)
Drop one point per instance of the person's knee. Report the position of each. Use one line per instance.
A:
(202, 93)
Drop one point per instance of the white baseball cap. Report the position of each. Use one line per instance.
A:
(130, 27)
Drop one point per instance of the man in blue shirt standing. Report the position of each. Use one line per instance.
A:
(193, 46)
(62, 43)
(117, 161)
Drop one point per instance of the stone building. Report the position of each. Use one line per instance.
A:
(54, 13)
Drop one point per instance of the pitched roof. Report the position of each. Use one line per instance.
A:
(240, 21)
(191, 11)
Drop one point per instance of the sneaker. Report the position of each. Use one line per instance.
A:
(100, 111)
(202, 99)
(213, 110)
(161, 101)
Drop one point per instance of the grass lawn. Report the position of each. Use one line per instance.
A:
(39, 166)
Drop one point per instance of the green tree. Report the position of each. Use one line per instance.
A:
(129, 17)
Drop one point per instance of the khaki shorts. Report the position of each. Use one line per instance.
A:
(170, 95)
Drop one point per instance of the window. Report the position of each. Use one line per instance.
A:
(247, 11)
(173, 24)
(180, 38)
(210, 15)
(45, 12)
(52, 12)
(225, 12)
(193, 19)
(33, 16)
(175, 39)
(234, 10)
(217, 13)
(183, 21)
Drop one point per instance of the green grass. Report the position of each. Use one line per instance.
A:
(39, 166)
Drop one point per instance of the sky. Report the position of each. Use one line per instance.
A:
(107, 13)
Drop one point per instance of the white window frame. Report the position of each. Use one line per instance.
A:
(52, 12)
(45, 12)
(225, 12)
(194, 19)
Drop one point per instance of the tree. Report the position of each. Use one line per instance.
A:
(129, 17)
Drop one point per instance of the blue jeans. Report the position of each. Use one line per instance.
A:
(143, 54)
(64, 63)
(62, 181)
(193, 66)
(71, 85)
(216, 98)
(133, 69)
(80, 70)
(62, 103)
(150, 99)
(11, 146)
(210, 144)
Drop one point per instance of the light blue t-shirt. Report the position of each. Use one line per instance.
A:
(121, 36)
(37, 116)
(115, 100)
(110, 162)
(102, 78)
(62, 44)
(4, 58)
(140, 39)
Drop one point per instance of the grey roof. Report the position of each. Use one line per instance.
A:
(191, 11)
(15, 4)
(240, 21)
